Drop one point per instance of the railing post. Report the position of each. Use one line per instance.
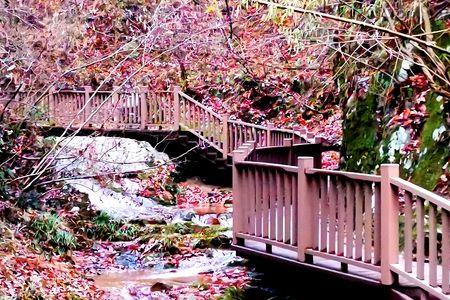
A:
(225, 138)
(87, 103)
(305, 208)
(270, 126)
(389, 222)
(142, 92)
(176, 108)
(117, 107)
(318, 140)
(238, 219)
(289, 143)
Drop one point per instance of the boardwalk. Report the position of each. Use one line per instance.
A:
(284, 204)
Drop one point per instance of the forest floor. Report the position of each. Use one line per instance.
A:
(140, 236)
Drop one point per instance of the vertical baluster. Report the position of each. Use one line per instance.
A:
(194, 117)
(183, 112)
(273, 195)
(217, 133)
(332, 216)
(287, 207)
(169, 107)
(137, 108)
(377, 226)
(294, 217)
(258, 196)
(235, 133)
(445, 252)
(230, 136)
(358, 221)
(150, 111)
(323, 212)
(433, 245)
(252, 200)
(245, 197)
(280, 205)
(368, 222)
(265, 203)
(161, 109)
(341, 217)
(408, 232)
(420, 238)
(350, 196)
(315, 181)
(209, 119)
(202, 121)
(189, 113)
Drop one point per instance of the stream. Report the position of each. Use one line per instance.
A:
(133, 270)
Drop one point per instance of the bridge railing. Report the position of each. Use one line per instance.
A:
(160, 110)
(288, 153)
(425, 236)
(202, 121)
(242, 132)
(379, 223)
(115, 109)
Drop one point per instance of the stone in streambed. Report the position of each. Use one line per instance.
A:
(160, 287)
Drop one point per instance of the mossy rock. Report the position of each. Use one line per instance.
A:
(433, 154)
(360, 135)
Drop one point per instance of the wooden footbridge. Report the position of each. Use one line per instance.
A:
(285, 206)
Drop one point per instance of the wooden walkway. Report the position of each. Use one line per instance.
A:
(381, 225)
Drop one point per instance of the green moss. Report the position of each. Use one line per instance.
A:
(360, 134)
(433, 154)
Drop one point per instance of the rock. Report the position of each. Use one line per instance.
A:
(168, 197)
(213, 221)
(159, 287)
(187, 216)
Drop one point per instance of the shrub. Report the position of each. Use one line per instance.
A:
(106, 228)
(49, 229)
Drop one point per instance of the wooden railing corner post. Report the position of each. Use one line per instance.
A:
(225, 135)
(270, 127)
(238, 156)
(176, 107)
(297, 134)
(389, 222)
(305, 208)
(142, 96)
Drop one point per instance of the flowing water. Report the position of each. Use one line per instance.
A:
(122, 200)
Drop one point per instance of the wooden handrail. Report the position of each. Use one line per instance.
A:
(421, 192)
(241, 123)
(349, 175)
(200, 105)
(290, 169)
